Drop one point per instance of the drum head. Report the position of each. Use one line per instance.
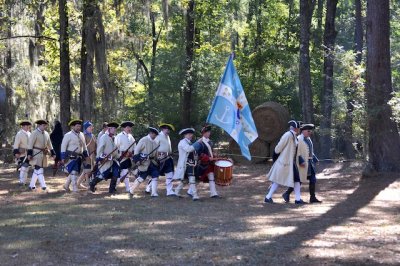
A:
(223, 163)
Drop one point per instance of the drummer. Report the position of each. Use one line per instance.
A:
(205, 167)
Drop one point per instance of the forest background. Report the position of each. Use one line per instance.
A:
(161, 61)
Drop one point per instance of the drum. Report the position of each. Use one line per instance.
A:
(223, 172)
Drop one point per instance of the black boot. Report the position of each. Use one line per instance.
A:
(113, 184)
(286, 195)
(93, 183)
(313, 198)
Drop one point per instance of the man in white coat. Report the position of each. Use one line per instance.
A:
(39, 146)
(107, 155)
(164, 157)
(285, 171)
(145, 158)
(126, 145)
(21, 150)
(306, 156)
(187, 162)
(73, 150)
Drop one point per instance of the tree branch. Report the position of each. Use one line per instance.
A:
(29, 36)
(141, 62)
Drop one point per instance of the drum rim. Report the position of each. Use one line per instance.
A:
(224, 160)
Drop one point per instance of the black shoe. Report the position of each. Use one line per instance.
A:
(286, 197)
(315, 200)
(43, 188)
(215, 197)
(112, 191)
(92, 188)
(32, 188)
(299, 202)
(266, 200)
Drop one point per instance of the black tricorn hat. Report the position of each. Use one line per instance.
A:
(307, 127)
(294, 123)
(187, 130)
(154, 130)
(113, 124)
(74, 122)
(127, 124)
(25, 123)
(205, 129)
(41, 122)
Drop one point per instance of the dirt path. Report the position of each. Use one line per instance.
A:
(358, 223)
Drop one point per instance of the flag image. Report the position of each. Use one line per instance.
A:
(231, 111)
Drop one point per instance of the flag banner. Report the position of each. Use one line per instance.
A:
(231, 111)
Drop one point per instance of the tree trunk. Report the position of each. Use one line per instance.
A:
(86, 100)
(65, 76)
(327, 96)
(305, 90)
(102, 66)
(188, 87)
(384, 139)
(350, 94)
(9, 110)
(318, 31)
(152, 67)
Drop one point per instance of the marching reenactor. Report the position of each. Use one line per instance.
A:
(21, 150)
(107, 155)
(285, 170)
(164, 156)
(206, 161)
(103, 131)
(38, 148)
(73, 150)
(145, 158)
(307, 157)
(126, 145)
(187, 162)
(91, 145)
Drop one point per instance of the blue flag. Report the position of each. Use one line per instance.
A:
(231, 112)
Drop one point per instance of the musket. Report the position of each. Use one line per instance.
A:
(20, 165)
(137, 165)
(125, 152)
(61, 164)
(96, 167)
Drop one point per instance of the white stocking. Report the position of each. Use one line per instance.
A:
(297, 194)
(272, 189)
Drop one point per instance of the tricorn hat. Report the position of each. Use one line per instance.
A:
(205, 129)
(127, 124)
(154, 130)
(74, 122)
(25, 123)
(41, 122)
(186, 130)
(113, 124)
(165, 125)
(307, 127)
(293, 123)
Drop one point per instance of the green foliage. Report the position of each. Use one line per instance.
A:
(263, 34)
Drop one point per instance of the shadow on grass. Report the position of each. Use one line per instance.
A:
(101, 230)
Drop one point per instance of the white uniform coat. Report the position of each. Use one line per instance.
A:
(184, 147)
(148, 146)
(105, 147)
(21, 142)
(303, 151)
(39, 141)
(282, 170)
(123, 141)
(165, 143)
